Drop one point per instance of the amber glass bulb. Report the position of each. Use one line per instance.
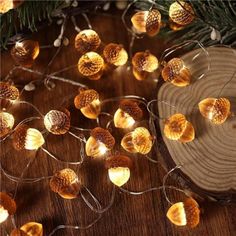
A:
(32, 229)
(25, 52)
(181, 15)
(8, 91)
(176, 72)
(119, 169)
(217, 110)
(6, 123)
(147, 22)
(57, 122)
(18, 232)
(87, 101)
(91, 65)
(127, 114)
(7, 206)
(184, 213)
(99, 143)
(139, 140)
(86, 41)
(27, 138)
(115, 54)
(66, 183)
(178, 128)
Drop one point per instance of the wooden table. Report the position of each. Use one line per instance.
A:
(129, 215)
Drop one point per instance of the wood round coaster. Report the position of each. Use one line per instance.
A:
(209, 161)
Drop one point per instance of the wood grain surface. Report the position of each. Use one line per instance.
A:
(209, 160)
(130, 215)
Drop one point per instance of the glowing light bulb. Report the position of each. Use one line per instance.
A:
(66, 183)
(119, 169)
(25, 52)
(8, 91)
(181, 15)
(57, 122)
(178, 128)
(138, 141)
(86, 41)
(217, 110)
(6, 5)
(147, 22)
(91, 65)
(127, 114)
(176, 73)
(184, 213)
(144, 63)
(27, 138)
(32, 229)
(99, 142)
(88, 102)
(7, 206)
(6, 123)
(115, 54)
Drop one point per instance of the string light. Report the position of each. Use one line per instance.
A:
(217, 110)
(8, 91)
(6, 123)
(115, 54)
(176, 72)
(25, 52)
(184, 213)
(66, 183)
(91, 65)
(144, 63)
(138, 141)
(147, 22)
(57, 122)
(127, 114)
(27, 138)
(181, 13)
(119, 169)
(99, 142)
(86, 41)
(7, 206)
(88, 102)
(178, 128)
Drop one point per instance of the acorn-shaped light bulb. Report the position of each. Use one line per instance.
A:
(87, 101)
(147, 22)
(99, 142)
(144, 63)
(119, 169)
(66, 183)
(176, 73)
(6, 5)
(27, 138)
(127, 114)
(6, 123)
(217, 110)
(86, 41)
(25, 52)
(184, 213)
(91, 65)
(178, 128)
(8, 91)
(7, 206)
(138, 141)
(32, 229)
(181, 15)
(57, 122)
(18, 232)
(115, 54)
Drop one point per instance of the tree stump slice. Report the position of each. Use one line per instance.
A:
(209, 161)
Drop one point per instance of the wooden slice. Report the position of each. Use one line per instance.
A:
(209, 162)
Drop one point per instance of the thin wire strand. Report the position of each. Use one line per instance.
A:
(132, 97)
(87, 20)
(164, 182)
(31, 105)
(56, 159)
(99, 211)
(77, 137)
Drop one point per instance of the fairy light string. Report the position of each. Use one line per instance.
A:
(84, 133)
